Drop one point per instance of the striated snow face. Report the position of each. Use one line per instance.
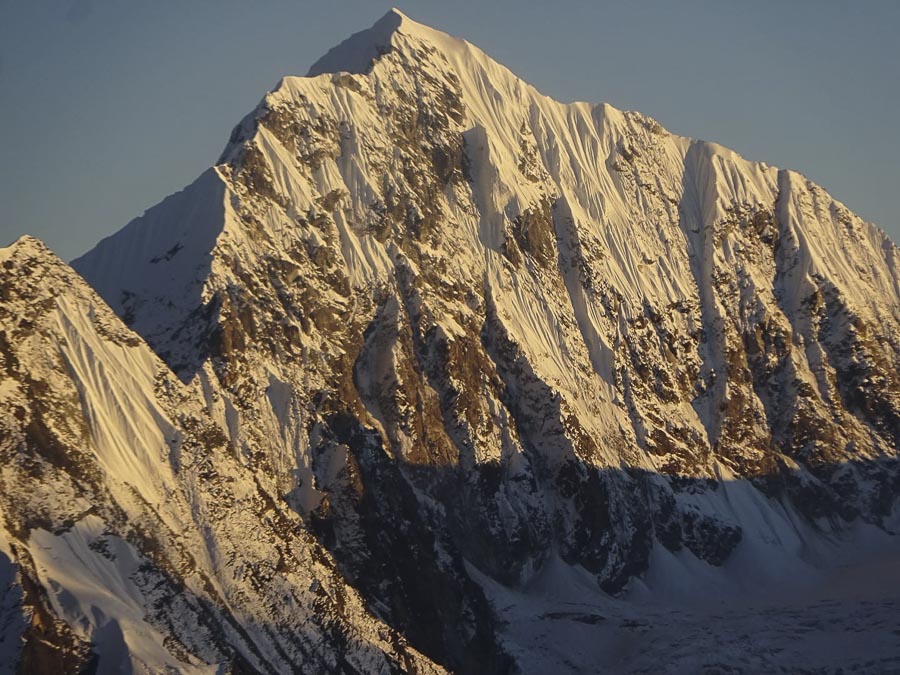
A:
(447, 335)
(133, 539)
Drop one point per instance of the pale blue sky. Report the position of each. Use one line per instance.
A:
(107, 106)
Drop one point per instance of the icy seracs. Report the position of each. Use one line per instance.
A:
(424, 348)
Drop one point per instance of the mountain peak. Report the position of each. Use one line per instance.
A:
(394, 12)
(26, 241)
(27, 247)
(356, 53)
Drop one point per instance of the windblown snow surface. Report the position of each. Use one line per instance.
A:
(431, 371)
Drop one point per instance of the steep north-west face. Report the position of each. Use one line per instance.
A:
(423, 326)
(134, 538)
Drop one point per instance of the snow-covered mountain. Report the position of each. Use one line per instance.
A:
(423, 348)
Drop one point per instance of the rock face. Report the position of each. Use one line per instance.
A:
(134, 534)
(420, 326)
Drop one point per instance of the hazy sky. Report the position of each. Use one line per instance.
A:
(107, 106)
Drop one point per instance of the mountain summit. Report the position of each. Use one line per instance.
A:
(357, 53)
(431, 371)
